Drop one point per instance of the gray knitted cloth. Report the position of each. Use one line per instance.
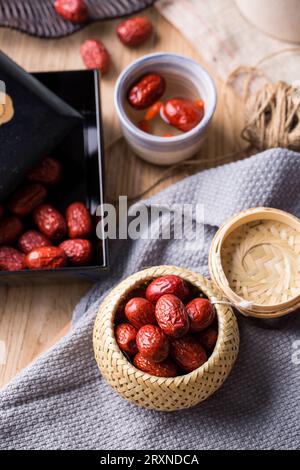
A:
(61, 401)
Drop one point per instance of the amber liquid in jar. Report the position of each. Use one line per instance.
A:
(176, 87)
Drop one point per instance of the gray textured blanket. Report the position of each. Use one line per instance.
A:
(61, 401)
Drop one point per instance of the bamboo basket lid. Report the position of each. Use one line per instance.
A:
(255, 260)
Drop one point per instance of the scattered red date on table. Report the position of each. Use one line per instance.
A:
(146, 91)
(134, 31)
(95, 55)
(72, 10)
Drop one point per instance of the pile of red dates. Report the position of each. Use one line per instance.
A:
(166, 328)
(36, 235)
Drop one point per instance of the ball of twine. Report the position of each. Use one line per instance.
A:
(271, 111)
(272, 117)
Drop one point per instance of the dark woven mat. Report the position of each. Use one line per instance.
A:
(38, 17)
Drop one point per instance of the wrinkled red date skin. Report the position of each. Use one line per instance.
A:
(95, 55)
(49, 172)
(188, 353)
(26, 198)
(72, 10)
(126, 338)
(11, 259)
(147, 91)
(140, 312)
(79, 221)
(46, 257)
(134, 31)
(50, 221)
(201, 314)
(152, 343)
(208, 338)
(166, 368)
(182, 114)
(32, 239)
(169, 284)
(10, 229)
(171, 316)
(77, 251)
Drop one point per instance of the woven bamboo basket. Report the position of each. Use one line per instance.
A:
(165, 394)
(255, 261)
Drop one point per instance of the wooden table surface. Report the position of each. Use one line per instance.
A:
(33, 317)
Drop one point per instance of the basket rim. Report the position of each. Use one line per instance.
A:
(130, 283)
(231, 224)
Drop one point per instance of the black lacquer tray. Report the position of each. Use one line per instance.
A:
(81, 153)
(41, 120)
(38, 17)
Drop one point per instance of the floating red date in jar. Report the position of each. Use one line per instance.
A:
(182, 114)
(146, 91)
